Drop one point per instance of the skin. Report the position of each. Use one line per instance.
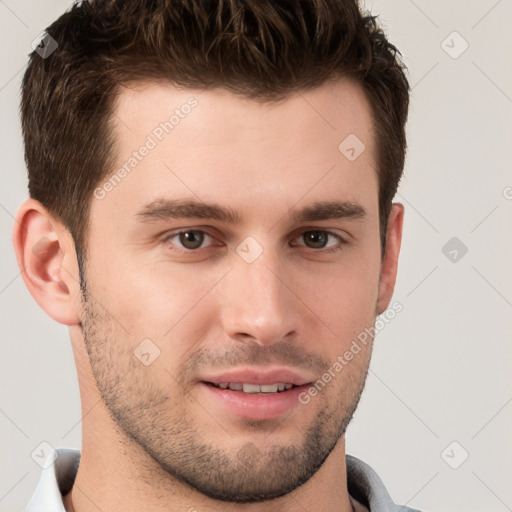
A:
(152, 437)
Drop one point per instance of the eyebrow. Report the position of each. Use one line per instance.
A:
(163, 209)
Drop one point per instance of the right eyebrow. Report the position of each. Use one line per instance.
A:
(162, 209)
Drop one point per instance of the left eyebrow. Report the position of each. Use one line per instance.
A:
(162, 209)
(327, 210)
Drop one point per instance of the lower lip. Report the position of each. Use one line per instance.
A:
(256, 406)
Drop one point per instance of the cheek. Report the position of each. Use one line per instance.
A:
(157, 300)
(344, 296)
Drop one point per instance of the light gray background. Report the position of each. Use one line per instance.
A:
(441, 370)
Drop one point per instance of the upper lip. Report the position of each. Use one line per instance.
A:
(259, 376)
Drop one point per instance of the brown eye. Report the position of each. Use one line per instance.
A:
(316, 239)
(190, 239)
(324, 241)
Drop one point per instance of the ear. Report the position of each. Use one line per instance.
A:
(389, 264)
(46, 255)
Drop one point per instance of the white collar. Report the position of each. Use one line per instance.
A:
(56, 480)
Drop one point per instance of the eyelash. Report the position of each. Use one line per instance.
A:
(342, 241)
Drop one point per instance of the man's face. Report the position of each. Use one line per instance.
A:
(274, 298)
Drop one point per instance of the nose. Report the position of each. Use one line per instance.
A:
(259, 303)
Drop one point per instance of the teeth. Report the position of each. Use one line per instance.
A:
(269, 388)
(255, 388)
(251, 388)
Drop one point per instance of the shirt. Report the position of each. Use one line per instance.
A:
(57, 478)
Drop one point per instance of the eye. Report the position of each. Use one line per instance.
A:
(190, 239)
(195, 239)
(319, 239)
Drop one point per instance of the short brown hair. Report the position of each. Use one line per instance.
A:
(262, 49)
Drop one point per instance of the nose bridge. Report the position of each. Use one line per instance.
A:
(259, 303)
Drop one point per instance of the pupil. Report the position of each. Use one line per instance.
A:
(191, 239)
(317, 238)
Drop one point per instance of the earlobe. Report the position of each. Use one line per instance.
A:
(47, 259)
(389, 263)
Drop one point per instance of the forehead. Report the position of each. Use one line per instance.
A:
(332, 108)
(213, 144)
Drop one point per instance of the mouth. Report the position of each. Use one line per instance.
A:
(265, 389)
(255, 394)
